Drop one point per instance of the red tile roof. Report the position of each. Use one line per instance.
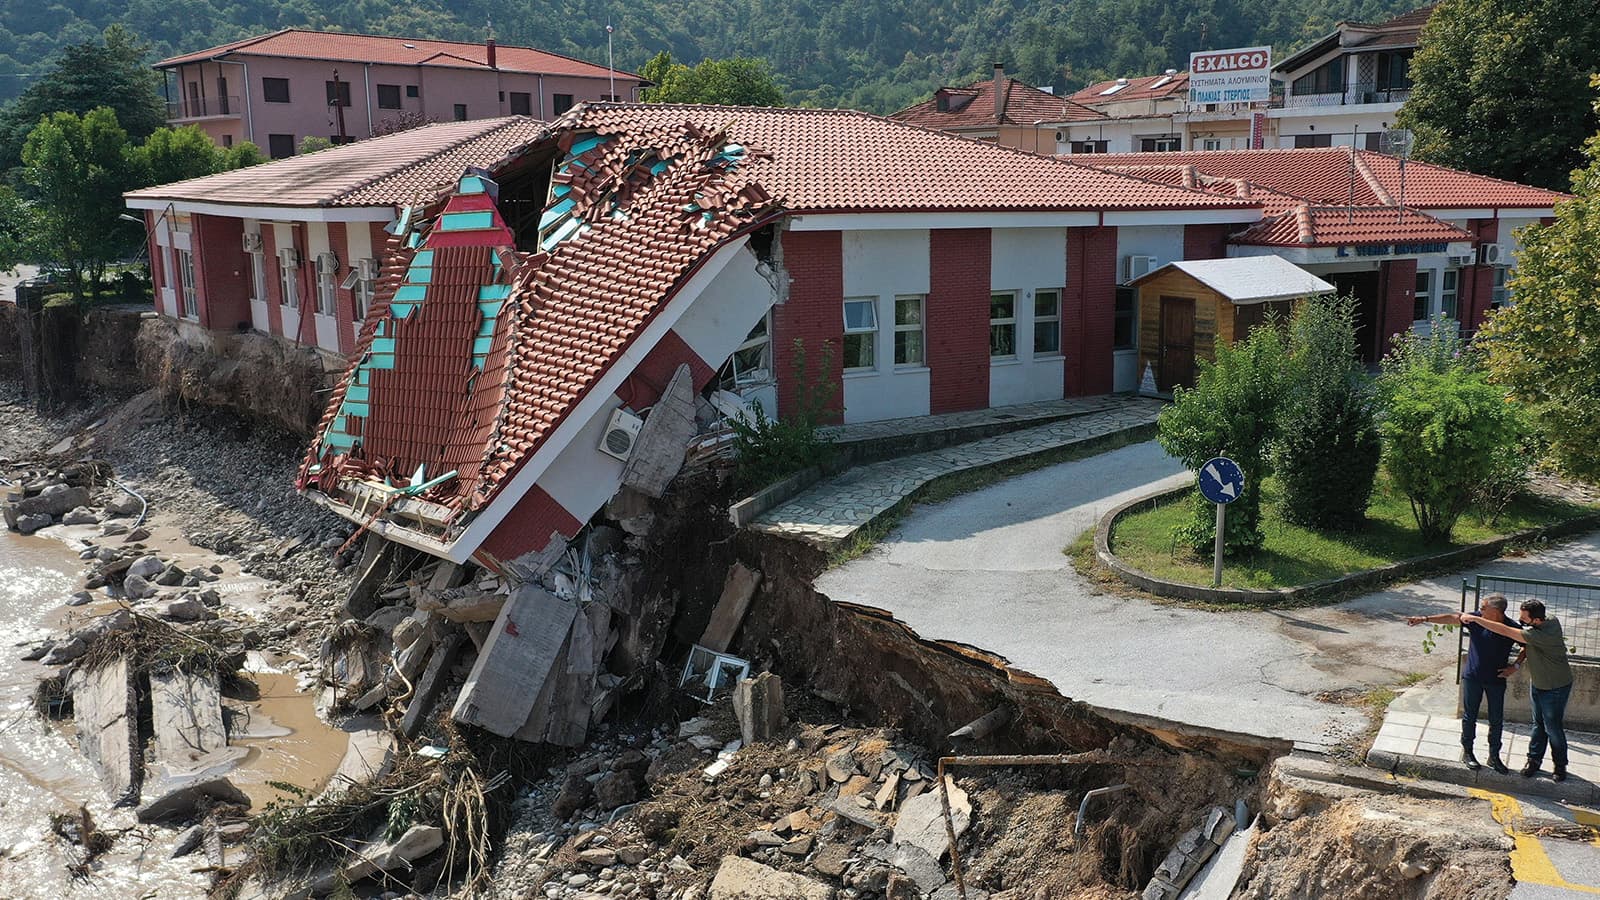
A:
(972, 107)
(1338, 175)
(1305, 225)
(337, 46)
(394, 170)
(1146, 87)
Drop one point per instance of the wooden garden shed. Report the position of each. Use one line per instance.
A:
(1186, 307)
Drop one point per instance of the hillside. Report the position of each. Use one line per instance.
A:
(878, 55)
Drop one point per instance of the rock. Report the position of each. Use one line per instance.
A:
(124, 505)
(211, 598)
(921, 821)
(599, 857)
(80, 598)
(616, 789)
(186, 609)
(632, 856)
(114, 622)
(1410, 870)
(53, 501)
(135, 587)
(189, 840)
(830, 860)
(417, 842)
(758, 704)
(182, 800)
(573, 796)
(111, 529)
(36, 652)
(799, 846)
(171, 576)
(146, 567)
(136, 535)
(63, 652)
(915, 862)
(80, 515)
(841, 765)
(743, 879)
(29, 523)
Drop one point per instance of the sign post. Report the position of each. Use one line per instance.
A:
(1221, 481)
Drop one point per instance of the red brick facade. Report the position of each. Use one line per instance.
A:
(644, 386)
(1397, 286)
(813, 315)
(1476, 289)
(1088, 313)
(957, 319)
(528, 528)
(1206, 241)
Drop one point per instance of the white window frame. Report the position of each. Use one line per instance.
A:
(1211, 143)
(258, 276)
(1450, 287)
(188, 296)
(288, 281)
(1003, 322)
(361, 297)
(871, 303)
(1499, 287)
(1424, 294)
(1052, 319)
(327, 292)
(733, 376)
(918, 327)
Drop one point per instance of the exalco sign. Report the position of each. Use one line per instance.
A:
(1242, 75)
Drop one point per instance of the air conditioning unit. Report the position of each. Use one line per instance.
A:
(1134, 267)
(252, 242)
(621, 432)
(289, 257)
(1463, 259)
(1061, 137)
(1492, 254)
(327, 264)
(368, 269)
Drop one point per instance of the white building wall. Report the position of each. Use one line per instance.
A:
(726, 310)
(883, 265)
(283, 236)
(1165, 243)
(1025, 260)
(358, 245)
(582, 478)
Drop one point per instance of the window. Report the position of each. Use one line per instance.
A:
(1313, 140)
(258, 277)
(1423, 301)
(327, 284)
(364, 289)
(336, 139)
(1003, 324)
(610, 98)
(521, 103)
(461, 112)
(1088, 146)
(1124, 328)
(1046, 322)
(388, 96)
(1500, 294)
(338, 93)
(412, 91)
(860, 333)
(222, 95)
(751, 362)
(1211, 144)
(1374, 141)
(275, 90)
(280, 146)
(1447, 294)
(227, 141)
(908, 348)
(1167, 144)
(560, 103)
(191, 303)
(1394, 70)
(1327, 78)
(288, 282)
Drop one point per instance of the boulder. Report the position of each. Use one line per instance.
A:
(80, 598)
(54, 501)
(187, 609)
(171, 576)
(124, 505)
(63, 652)
(80, 515)
(573, 796)
(189, 840)
(744, 879)
(184, 799)
(146, 567)
(28, 523)
(616, 789)
(136, 587)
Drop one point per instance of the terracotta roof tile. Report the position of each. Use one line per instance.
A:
(370, 48)
(972, 107)
(1145, 87)
(1331, 226)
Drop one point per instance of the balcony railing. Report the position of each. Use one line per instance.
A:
(1356, 94)
(204, 108)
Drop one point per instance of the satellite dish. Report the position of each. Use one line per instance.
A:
(1397, 142)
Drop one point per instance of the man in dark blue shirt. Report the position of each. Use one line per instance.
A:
(1483, 677)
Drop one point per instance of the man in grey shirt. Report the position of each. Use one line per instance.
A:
(1551, 674)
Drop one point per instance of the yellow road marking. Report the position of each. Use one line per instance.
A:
(1530, 863)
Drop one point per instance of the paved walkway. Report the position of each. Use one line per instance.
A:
(828, 513)
(1041, 411)
(987, 569)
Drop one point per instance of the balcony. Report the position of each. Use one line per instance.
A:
(1357, 94)
(193, 108)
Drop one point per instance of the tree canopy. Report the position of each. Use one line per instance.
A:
(740, 81)
(1501, 87)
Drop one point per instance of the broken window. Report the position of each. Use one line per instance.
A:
(191, 303)
(388, 96)
(860, 333)
(707, 672)
(751, 363)
(908, 340)
(1003, 324)
(1047, 322)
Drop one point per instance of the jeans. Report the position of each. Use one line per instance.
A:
(1549, 713)
(1473, 693)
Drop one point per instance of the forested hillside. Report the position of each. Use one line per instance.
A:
(872, 54)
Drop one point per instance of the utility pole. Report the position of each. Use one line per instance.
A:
(611, 70)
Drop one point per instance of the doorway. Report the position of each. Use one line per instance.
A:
(1177, 343)
(1364, 286)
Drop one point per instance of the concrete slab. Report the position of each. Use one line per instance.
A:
(515, 661)
(186, 715)
(663, 439)
(106, 714)
(737, 590)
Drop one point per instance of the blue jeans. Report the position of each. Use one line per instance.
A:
(1473, 692)
(1549, 713)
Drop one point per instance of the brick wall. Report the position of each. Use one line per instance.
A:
(1397, 284)
(645, 384)
(222, 272)
(1088, 315)
(528, 527)
(1476, 289)
(813, 315)
(1206, 241)
(157, 269)
(957, 319)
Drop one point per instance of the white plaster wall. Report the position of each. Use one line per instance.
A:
(726, 310)
(884, 264)
(1164, 242)
(1023, 260)
(1118, 134)
(582, 478)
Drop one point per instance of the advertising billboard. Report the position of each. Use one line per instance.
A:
(1242, 75)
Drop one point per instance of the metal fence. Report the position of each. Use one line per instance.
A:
(1577, 606)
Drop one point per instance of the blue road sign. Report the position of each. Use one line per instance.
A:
(1220, 480)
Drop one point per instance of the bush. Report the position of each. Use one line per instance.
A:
(1446, 430)
(1231, 411)
(771, 449)
(1328, 447)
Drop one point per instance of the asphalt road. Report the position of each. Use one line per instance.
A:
(988, 569)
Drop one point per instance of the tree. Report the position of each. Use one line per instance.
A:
(18, 230)
(1446, 429)
(1500, 87)
(1327, 452)
(1542, 347)
(311, 143)
(112, 73)
(242, 155)
(1231, 411)
(738, 81)
(177, 154)
(75, 169)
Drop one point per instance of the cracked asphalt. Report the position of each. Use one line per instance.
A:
(988, 569)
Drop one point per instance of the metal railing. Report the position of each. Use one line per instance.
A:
(1354, 94)
(204, 107)
(1575, 605)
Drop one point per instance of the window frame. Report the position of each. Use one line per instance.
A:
(460, 112)
(1320, 80)
(1054, 319)
(258, 275)
(1168, 143)
(272, 151)
(525, 98)
(871, 332)
(919, 328)
(361, 297)
(1499, 287)
(328, 292)
(560, 103)
(339, 95)
(395, 88)
(289, 285)
(1450, 293)
(1128, 314)
(413, 91)
(267, 92)
(1003, 322)
(1423, 293)
(188, 292)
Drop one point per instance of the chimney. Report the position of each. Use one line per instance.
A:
(1000, 92)
(489, 45)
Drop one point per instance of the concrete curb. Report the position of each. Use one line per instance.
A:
(1405, 569)
(772, 496)
(1573, 790)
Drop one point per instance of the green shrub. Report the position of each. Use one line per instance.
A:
(772, 449)
(1231, 411)
(1328, 447)
(1446, 430)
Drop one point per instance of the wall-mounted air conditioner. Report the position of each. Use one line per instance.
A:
(327, 264)
(1463, 259)
(1136, 266)
(289, 257)
(252, 242)
(1061, 137)
(621, 432)
(1492, 254)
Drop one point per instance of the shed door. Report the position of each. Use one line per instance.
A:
(1177, 343)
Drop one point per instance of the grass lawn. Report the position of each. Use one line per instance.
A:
(1293, 555)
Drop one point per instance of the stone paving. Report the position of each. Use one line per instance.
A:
(828, 514)
(1040, 411)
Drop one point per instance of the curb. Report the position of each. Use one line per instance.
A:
(1573, 790)
(1355, 581)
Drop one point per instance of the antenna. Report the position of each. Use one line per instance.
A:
(611, 70)
(1397, 143)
